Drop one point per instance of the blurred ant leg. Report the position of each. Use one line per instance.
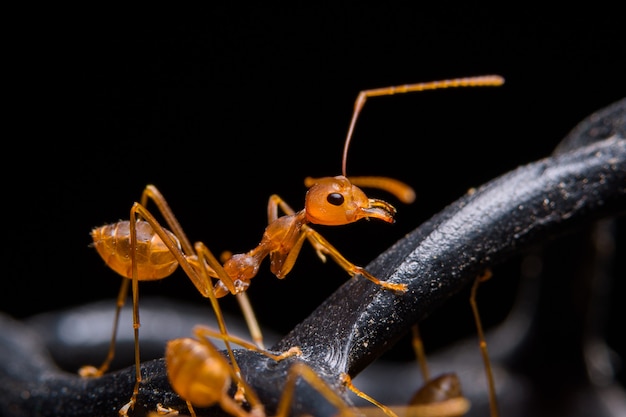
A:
(301, 370)
(493, 401)
(438, 397)
(420, 354)
(347, 381)
(89, 371)
(246, 309)
(250, 318)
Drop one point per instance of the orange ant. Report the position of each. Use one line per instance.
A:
(201, 376)
(142, 250)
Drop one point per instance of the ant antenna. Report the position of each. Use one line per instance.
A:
(479, 81)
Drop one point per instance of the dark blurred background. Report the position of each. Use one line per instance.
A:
(222, 109)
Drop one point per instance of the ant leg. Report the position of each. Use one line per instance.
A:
(440, 396)
(418, 348)
(299, 369)
(89, 371)
(202, 282)
(136, 322)
(202, 332)
(162, 411)
(322, 248)
(212, 266)
(493, 402)
(273, 204)
(246, 309)
(347, 381)
(151, 192)
(207, 260)
(322, 245)
(250, 318)
(276, 202)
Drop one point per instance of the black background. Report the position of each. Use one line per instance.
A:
(223, 107)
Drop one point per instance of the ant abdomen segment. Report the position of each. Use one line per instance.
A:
(154, 259)
(441, 396)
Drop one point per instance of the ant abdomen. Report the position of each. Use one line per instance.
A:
(194, 374)
(154, 260)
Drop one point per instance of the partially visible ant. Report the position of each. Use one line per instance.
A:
(442, 396)
(437, 397)
(142, 250)
(202, 377)
(491, 385)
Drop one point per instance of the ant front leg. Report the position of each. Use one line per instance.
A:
(276, 202)
(321, 245)
(301, 370)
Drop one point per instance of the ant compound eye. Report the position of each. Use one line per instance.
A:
(335, 199)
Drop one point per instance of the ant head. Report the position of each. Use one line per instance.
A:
(335, 201)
